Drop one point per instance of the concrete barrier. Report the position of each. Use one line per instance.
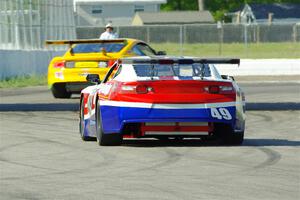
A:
(21, 62)
(35, 62)
(262, 67)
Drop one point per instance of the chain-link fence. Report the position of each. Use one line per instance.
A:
(247, 41)
(208, 33)
(26, 24)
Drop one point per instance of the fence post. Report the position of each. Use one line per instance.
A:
(31, 25)
(181, 39)
(257, 33)
(148, 34)
(294, 35)
(246, 38)
(184, 34)
(220, 33)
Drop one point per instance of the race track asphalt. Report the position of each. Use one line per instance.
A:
(43, 157)
(259, 96)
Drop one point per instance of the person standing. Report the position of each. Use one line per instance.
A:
(108, 34)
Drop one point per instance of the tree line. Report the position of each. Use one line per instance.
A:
(217, 7)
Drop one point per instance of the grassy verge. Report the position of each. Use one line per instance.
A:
(23, 81)
(240, 50)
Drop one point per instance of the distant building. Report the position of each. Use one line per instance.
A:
(119, 12)
(172, 17)
(267, 13)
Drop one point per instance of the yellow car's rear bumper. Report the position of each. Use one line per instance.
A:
(73, 75)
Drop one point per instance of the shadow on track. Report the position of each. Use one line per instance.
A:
(27, 107)
(23, 107)
(280, 106)
(270, 142)
(144, 143)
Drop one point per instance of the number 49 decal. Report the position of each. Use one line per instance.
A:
(220, 113)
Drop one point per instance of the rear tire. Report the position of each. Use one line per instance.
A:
(82, 124)
(59, 91)
(103, 139)
(227, 136)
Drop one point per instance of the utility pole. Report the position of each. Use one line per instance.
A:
(201, 5)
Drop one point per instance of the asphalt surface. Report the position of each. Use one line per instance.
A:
(259, 96)
(43, 157)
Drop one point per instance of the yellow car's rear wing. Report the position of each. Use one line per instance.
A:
(82, 41)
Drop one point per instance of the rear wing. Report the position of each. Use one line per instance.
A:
(233, 61)
(166, 60)
(85, 41)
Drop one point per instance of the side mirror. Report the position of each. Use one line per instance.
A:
(93, 78)
(227, 77)
(161, 53)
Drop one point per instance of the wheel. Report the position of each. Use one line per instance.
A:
(227, 136)
(102, 138)
(59, 91)
(82, 124)
(237, 138)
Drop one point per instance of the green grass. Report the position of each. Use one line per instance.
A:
(252, 50)
(23, 81)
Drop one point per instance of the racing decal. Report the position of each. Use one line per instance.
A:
(220, 113)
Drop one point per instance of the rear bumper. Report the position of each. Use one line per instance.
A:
(75, 75)
(114, 118)
(76, 87)
(72, 87)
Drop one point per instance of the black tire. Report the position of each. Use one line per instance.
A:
(226, 135)
(82, 124)
(105, 139)
(237, 138)
(59, 91)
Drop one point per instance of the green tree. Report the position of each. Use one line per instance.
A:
(217, 7)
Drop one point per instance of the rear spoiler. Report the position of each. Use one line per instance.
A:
(181, 61)
(85, 41)
(233, 61)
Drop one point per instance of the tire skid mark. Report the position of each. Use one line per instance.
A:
(108, 160)
(266, 117)
(272, 157)
(25, 165)
(172, 157)
(14, 145)
(233, 161)
(64, 172)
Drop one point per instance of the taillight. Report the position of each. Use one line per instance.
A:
(110, 63)
(216, 89)
(224, 88)
(133, 89)
(102, 64)
(141, 89)
(60, 64)
(70, 64)
(127, 89)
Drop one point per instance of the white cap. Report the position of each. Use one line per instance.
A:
(109, 25)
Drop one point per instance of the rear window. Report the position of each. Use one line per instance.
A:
(194, 70)
(96, 48)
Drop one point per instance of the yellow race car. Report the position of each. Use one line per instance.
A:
(67, 74)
